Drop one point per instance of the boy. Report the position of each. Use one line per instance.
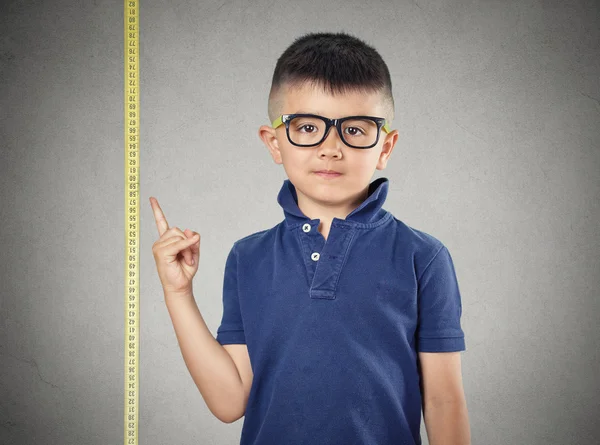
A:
(343, 323)
(334, 302)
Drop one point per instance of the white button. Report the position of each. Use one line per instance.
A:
(306, 227)
(315, 256)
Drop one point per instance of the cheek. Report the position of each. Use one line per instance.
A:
(295, 157)
(364, 163)
(295, 163)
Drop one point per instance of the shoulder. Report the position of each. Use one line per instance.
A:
(256, 242)
(418, 240)
(423, 246)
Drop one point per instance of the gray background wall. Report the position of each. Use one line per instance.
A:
(497, 104)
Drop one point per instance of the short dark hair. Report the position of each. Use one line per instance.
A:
(337, 62)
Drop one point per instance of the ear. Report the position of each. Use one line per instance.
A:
(269, 138)
(387, 148)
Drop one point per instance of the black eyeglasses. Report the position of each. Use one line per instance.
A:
(308, 130)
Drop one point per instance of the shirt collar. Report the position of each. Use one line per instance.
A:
(369, 211)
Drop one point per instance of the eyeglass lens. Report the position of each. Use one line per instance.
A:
(310, 130)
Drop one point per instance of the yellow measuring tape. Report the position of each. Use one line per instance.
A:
(132, 228)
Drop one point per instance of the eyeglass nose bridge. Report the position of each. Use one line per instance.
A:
(333, 123)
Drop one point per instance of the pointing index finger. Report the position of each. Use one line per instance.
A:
(159, 217)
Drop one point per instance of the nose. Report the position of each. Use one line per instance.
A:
(332, 142)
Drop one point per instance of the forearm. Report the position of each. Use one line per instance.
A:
(447, 423)
(211, 367)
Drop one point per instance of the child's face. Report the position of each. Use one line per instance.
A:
(355, 165)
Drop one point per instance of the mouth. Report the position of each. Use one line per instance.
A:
(328, 173)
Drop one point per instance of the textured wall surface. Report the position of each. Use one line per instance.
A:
(498, 109)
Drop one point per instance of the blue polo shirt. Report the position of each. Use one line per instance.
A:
(333, 326)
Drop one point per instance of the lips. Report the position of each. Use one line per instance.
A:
(328, 172)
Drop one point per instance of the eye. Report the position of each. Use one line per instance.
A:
(354, 131)
(311, 127)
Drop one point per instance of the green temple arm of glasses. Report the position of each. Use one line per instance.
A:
(277, 122)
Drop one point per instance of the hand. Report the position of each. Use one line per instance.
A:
(176, 254)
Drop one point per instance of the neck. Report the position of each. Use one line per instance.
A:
(324, 212)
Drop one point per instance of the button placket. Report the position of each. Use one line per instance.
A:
(327, 271)
(315, 255)
(311, 247)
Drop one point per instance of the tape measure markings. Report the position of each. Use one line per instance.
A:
(132, 236)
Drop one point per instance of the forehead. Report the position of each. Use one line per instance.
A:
(316, 100)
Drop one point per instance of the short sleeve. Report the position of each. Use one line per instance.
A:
(439, 307)
(231, 329)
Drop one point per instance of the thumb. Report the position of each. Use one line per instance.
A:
(194, 248)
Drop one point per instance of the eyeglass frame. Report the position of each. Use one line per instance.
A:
(337, 123)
